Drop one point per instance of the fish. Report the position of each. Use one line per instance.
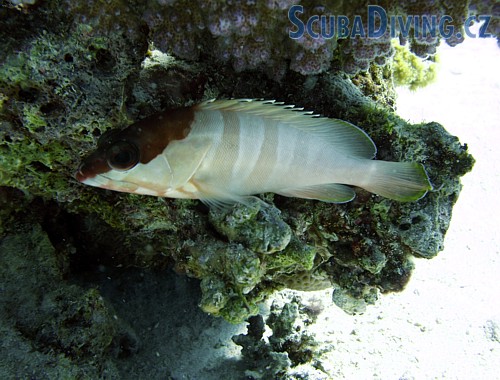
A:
(224, 151)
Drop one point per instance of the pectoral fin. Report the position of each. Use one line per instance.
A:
(220, 198)
(331, 192)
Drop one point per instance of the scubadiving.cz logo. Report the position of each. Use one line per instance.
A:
(326, 27)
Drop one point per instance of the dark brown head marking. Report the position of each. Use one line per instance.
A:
(150, 135)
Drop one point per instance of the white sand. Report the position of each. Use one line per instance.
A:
(440, 327)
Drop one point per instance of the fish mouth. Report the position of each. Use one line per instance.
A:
(104, 182)
(98, 180)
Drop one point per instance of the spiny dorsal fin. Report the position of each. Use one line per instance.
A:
(343, 136)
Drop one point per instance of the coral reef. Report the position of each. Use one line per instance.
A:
(288, 346)
(253, 35)
(47, 317)
(71, 71)
(256, 225)
(233, 274)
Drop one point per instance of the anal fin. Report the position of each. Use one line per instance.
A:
(330, 192)
(224, 204)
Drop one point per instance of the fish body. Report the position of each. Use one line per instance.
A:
(223, 151)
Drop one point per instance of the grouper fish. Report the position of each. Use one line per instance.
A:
(223, 151)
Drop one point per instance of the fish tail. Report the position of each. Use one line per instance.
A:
(401, 181)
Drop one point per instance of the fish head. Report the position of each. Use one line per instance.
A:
(116, 165)
(132, 160)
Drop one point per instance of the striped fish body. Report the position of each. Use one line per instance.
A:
(222, 151)
(251, 154)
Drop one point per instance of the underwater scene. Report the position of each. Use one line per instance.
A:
(273, 189)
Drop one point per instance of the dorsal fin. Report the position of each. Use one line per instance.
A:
(343, 136)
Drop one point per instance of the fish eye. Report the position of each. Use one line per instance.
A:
(122, 155)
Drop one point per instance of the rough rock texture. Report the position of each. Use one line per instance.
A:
(288, 345)
(43, 317)
(71, 70)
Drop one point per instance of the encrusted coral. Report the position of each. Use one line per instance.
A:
(73, 70)
(259, 249)
(254, 35)
(228, 272)
(287, 347)
(256, 225)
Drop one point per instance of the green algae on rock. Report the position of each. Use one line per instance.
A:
(256, 225)
(230, 272)
(70, 73)
(409, 70)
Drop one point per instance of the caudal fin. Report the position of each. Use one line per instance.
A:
(401, 181)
